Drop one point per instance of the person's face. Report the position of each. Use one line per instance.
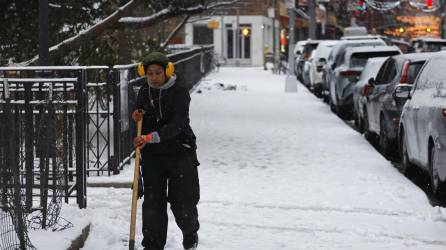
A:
(155, 73)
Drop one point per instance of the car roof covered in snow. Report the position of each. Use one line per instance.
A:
(415, 56)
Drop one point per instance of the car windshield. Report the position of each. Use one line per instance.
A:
(435, 46)
(360, 59)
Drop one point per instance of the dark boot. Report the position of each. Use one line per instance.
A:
(190, 242)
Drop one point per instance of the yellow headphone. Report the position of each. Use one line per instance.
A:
(170, 69)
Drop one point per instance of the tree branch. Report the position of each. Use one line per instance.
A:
(90, 33)
(174, 32)
(142, 22)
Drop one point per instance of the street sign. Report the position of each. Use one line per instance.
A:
(212, 24)
(290, 4)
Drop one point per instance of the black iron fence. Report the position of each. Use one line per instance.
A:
(60, 124)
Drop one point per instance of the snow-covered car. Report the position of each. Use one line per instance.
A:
(316, 65)
(422, 130)
(347, 73)
(336, 57)
(427, 44)
(298, 49)
(370, 70)
(306, 53)
(382, 112)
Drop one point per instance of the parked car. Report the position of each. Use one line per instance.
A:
(422, 130)
(299, 47)
(370, 70)
(355, 31)
(381, 111)
(336, 57)
(310, 45)
(347, 72)
(316, 65)
(427, 44)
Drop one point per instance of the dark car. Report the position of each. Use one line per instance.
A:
(381, 112)
(422, 130)
(347, 73)
(427, 44)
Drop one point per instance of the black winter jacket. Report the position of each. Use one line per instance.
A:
(167, 113)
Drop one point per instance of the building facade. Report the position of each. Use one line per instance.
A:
(242, 34)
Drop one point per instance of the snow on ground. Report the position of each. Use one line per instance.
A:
(279, 171)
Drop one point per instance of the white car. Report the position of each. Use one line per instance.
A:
(316, 65)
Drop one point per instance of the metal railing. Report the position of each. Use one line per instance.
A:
(60, 124)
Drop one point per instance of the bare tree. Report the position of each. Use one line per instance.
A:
(120, 18)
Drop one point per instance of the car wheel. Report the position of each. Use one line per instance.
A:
(436, 184)
(384, 144)
(406, 165)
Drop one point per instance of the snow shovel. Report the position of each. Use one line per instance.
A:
(135, 191)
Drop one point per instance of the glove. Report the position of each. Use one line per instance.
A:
(141, 141)
(137, 115)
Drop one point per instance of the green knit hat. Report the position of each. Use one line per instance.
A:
(155, 58)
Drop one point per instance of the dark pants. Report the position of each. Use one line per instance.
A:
(173, 179)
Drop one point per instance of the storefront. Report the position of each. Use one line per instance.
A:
(239, 40)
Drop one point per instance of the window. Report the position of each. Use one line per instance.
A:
(203, 35)
(360, 59)
(381, 74)
(389, 73)
(414, 68)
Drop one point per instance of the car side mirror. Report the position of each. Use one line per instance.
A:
(333, 66)
(372, 82)
(402, 92)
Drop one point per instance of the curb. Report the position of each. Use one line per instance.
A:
(111, 184)
(79, 242)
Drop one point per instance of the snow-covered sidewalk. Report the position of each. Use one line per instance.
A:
(279, 171)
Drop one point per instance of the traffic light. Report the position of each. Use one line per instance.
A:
(429, 4)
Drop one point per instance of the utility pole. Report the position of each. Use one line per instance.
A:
(43, 32)
(312, 21)
(291, 82)
(292, 18)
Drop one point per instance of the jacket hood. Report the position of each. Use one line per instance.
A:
(166, 85)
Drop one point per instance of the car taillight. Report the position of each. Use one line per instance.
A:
(404, 74)
(349, 73)
(443, 112)
(396, 121)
